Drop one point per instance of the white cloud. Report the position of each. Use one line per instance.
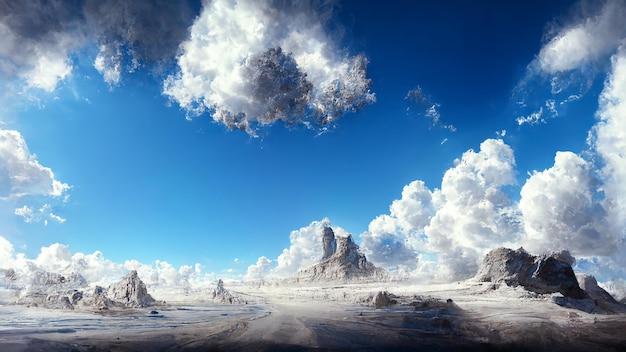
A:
(131, 34)
(610, 139)
(35, 40)
(97, 269)
(21, 173)
(571, 59)
(593, 38)
(30, 214)
(253, 63)
(473, 214)
(560, 212)
(260, 269)
(457, 224)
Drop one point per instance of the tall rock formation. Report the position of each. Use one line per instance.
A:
(342, 261)
(329, 242)
(130, 292)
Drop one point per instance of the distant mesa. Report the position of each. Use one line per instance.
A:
(341, 261)
(547, 274)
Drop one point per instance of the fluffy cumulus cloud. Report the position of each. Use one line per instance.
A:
(571, 59)
(560, 209)
(247, 63)
(36, 38)
(456, 224)
(253, 63)
(133, 33)
(21, 173)
(609, 139)
(391, 238)
(260, 269)
(589, 40)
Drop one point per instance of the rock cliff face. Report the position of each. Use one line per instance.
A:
(329, 242)
(549, 273)
(130, 292)
(601, 299)
(342, 261)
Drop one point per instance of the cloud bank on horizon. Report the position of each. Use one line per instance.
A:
(97, 269)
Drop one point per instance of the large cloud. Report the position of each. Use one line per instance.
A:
(457, 224)
(571, 60)
(251, 63)
(561, 212)
(36, 38)
(589, 40)
(610, 139)
(20, 172)
(133, 33)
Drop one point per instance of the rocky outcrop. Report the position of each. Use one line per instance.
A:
(130, 292)
(346, 263)
(383, 299)
(601, 299)
(52, 290)
(329, 242)
(542, 274)
(222, 295)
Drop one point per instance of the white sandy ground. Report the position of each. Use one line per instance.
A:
(322, 318)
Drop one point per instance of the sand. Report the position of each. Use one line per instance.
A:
(324, 318)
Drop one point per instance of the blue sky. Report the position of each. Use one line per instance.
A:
(153, 171)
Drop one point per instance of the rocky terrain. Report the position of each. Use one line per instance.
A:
(547, 274)
(342, 261)
(221, 295)
(342, 303)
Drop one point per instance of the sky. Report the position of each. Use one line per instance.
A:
(201, 139)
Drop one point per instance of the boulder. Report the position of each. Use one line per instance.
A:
(549, 273)
(383, 299)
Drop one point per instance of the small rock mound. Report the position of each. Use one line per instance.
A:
(601, 299)
(383, 299)
(343, 262)
(130, 292)
(222, 295)
(541, 274)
